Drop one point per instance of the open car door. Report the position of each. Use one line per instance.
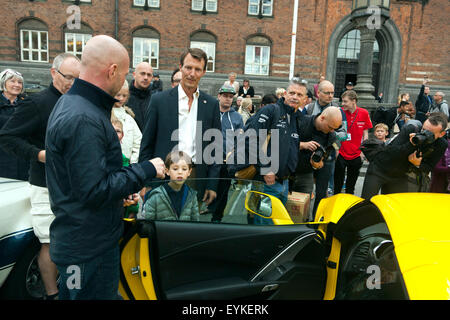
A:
(187, 260)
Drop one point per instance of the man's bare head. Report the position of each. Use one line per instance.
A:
(329, 120)
(143, 75)
(105, 63)
(325, 92)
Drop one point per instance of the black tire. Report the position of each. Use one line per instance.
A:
(24, 282)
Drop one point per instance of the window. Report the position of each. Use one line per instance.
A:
(266, 7)
(210, 5)
(146, 50)
(257, 60)
(349, 46)
(150, 3)
(34, 45)
(75, 42)
(210, 49)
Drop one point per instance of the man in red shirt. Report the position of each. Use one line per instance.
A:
(358, 122)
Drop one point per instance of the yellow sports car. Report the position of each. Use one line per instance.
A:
(394, 246)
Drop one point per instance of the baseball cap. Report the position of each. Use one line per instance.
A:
(227, 89)
(349, 84)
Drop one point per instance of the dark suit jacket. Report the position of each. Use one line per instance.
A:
(250, 91)
(161, 120)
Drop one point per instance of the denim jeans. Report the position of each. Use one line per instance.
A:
(97, 279)
(279, 190)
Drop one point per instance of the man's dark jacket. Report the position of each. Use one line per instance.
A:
(162, 120)
(24, 134)
(11, 166)
(423, 102)
(85, 177)
(273, 116)
(393, 160)
(308, 132)
(138, 102)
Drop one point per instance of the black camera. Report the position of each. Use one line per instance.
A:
(423, 138)
(319, 154)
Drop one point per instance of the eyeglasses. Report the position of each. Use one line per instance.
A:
(67, 77)
(328, 93)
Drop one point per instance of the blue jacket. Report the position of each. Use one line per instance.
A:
(85, 177)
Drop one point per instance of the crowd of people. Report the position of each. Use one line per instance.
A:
(95, 144)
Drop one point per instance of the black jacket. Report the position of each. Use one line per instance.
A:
(85, 177)
(11, 166)
(24, 134)
(273, 116)
(393, 160)
(308, 132)
(250, 91)
(138, 102)
(423, 102)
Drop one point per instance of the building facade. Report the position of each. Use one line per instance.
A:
(249, 37)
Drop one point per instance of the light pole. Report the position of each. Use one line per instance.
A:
(367, 16)
(293, 39)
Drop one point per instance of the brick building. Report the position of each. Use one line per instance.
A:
(249, 37)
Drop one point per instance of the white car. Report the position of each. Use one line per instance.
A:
(19, 272)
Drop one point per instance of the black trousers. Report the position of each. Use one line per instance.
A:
(377, 180)
(218, 205)
(353, 166)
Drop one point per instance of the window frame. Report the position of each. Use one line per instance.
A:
(260, 64)
(30, 49)
(74, 52)
(260, 8)
(156, 40)
(148, 4)
(205, 6)
(214, 53)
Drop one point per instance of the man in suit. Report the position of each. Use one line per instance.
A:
(179, 117)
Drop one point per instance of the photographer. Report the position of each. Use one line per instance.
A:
(317, 137)
(404, 165)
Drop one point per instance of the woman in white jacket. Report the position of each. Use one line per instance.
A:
(132, 136)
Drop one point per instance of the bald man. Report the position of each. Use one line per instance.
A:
(316, 133)
(140, 92)
(86, 180)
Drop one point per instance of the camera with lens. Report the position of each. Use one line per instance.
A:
(423, 138)
(319, 154)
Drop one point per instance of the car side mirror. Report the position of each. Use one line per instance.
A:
(259, 203)
(267, 206)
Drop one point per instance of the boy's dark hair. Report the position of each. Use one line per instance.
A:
(175, 156)
(438, 118)
(196, 53)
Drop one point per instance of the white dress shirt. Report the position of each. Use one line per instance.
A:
(187, 122)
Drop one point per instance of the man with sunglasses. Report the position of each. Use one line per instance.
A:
(24, 136)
